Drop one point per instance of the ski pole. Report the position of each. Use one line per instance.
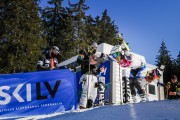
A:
(88, 75)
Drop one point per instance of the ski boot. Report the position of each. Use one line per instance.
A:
(81, 107)
(90, 103)
(135, 99)
(143, 98)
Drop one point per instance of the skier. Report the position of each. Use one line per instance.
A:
(89, 70)
(173, 88)
(121, 54)
(138, 66)
(48, 60)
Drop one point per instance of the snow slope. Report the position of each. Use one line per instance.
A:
(156, 110)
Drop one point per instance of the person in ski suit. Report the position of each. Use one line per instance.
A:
(137, 66)
(48, 60)
(89, 71)
(173, 88)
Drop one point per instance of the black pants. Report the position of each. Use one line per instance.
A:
(172, 97)
(136, 83)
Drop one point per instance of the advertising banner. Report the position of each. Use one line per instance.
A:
(37, 93)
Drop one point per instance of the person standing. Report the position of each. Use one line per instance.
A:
(89, 70)
(173, 88)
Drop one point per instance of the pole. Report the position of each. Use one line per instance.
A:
(121, 98)
(88, 76)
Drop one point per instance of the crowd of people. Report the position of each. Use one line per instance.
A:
(87, 58)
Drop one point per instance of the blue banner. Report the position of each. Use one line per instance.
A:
(106, 74)
(37, 93)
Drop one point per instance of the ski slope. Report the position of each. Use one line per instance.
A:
(156, 110)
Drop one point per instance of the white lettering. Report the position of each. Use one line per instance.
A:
(28, 92)
(5, 95)
(16, 95)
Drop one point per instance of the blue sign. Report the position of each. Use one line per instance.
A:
(37, 93)
(106, 74)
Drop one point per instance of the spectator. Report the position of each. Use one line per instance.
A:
(48, 60)
(173, 88)
(89, 69)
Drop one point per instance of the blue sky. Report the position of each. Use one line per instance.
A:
(144, 23)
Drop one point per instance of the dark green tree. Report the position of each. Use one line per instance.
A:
(164, 58)
(67, 47)
(107, 29)
(20, 36)
(79, 17)
(53, 21)
(91, 30)
(58, 26)
(72, 30)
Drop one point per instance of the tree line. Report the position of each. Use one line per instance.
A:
(26, 28)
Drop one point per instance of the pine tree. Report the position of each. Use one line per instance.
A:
(80, 36)
(91, 30)
(59, 28)
(164, 58)
(68, 36)
(20, 37)
(53, 20)
(70, 29)
(107, 29)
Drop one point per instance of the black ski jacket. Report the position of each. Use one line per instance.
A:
(44, 62)
(83, 59)
(175, 88)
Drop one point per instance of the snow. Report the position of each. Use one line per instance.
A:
(156, 110)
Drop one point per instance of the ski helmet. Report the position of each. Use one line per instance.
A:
(94, 45)
(56, 49)
(119, 37)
